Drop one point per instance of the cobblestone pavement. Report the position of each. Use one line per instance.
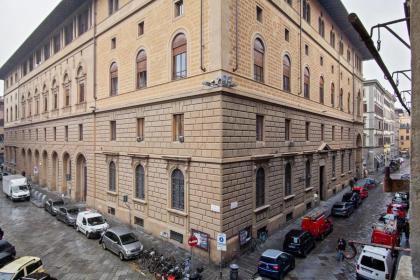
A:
(68, 255)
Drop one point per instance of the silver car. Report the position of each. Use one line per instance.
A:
(122, 242)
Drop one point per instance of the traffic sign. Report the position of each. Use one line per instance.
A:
(192, 241)
(221, 242)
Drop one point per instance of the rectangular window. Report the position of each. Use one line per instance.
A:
(68, 33)
(333, 166)
(138, 221)
(321, 60)
(37, 57)
(66, 133)
(113, 130)
(348, 133)
(306, 49)
(111, 210)
(55, 133)
(67, 97)
(112, 6)
(259, 14)
(342, 162)
(56, 43)
(287, 129)
(286, 34)
(289, 217)
(307, 126)
(333, 133)
(176, 236)
(80, 132)
(322, 132)
(407, 137)
(36, 134)
(179, 8)
(45, 134)
(342, 133)
(83, 20)
(141, 28)
(402, 137)
(113, 43)
(47, 51)
(260, 128)
(81, 92)
(178, 128)
(140, 129)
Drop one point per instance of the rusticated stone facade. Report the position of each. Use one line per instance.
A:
(182, 155)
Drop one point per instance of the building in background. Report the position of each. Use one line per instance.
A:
(1, 131)
(404, 134)
(159, 113)
(380, 126)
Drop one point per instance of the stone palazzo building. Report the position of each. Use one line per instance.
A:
(189, 116)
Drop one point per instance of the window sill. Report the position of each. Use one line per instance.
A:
(309, 189)
(261, 208)
(333, 178)
(139, 201)
(289, 197)
(349, 172)
(112, 193)
(177, 212)
(343, 174)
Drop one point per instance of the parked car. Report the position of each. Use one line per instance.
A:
(122, 242)
(52, 205)
(344, 209)
(21, 267)
(352, 197)
(362, 191)
(375, 263)
(7, 252)
(397, 209)
(67, 214)
(91, 223)
(298, 242)
(385, 234)
(275, 264)
(318, 224)
(39, 276)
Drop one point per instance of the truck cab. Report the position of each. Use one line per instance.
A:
(16, 187)
(385, 234)
(91, 223)
(317, 224)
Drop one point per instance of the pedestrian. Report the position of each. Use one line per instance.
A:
(1, 234)
(407, 230)
(341, 247)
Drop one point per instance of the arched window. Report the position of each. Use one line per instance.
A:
(140, 182)
(112, 172)
(45, 97)
(341, 100)
(259, 60)
(306, 83)
(113, 76)
(177, 179)
(54, 90)
(81, 80)
(308, 174)
(179, 57)
(321, 27)
(306, 13)
(287, 179)
(358, 103)
(286, 73)
(66, 84)
(141, 62)
(260, 188)
(321, 90)
(332, 95)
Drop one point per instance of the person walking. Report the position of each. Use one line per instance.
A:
(341, 247)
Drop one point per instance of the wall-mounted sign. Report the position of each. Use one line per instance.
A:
(245, 236)
(203, 239)
(215, 208)
(221, 242)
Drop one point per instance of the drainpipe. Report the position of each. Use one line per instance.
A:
(236, 36)
(95, 98)
(201, 37)
(300, 47)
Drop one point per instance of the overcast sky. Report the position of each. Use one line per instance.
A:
(18, 18)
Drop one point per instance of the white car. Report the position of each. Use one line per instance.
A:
(375, 263)
(91, 223)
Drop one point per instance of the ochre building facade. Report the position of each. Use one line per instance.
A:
(189, 116)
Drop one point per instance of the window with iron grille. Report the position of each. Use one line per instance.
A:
(112, 177)
(333, 167)
(176, 236)
(259, 60)
(307, 127)
(260, 128)
(177, 182)
(113, 130)
(287, 129)
(140, 193)
(178, 128)
(288, 179)
(141, 62)
(260, 188)
(286, 73)
(113, 75)
(138, 221)
(140, 129)
(307, 174)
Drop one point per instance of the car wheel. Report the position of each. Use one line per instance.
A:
(121, 256)
(103, 245)
(87, 234)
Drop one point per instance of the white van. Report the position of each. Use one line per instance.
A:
(16, 187)
(91, 223)
(375, 263)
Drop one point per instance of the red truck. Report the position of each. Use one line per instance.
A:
(385, 234)
(318, 224)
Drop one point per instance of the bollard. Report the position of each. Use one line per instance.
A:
(234, 271)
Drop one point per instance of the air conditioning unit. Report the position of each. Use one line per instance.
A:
(139, 139)
(181, 138)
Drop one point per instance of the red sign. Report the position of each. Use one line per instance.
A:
(192, 241)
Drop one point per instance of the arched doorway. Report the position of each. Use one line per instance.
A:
(44, 169)
(81, 178)
(66, 174)
(36, 167)
(359, 146)
(54, 171)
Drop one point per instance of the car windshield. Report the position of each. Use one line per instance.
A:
(58, 203)
(338, 206)
(373, 263)
(19, 188)
(128, 238)
(6, 276)
(99, 220)
(73, 211)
